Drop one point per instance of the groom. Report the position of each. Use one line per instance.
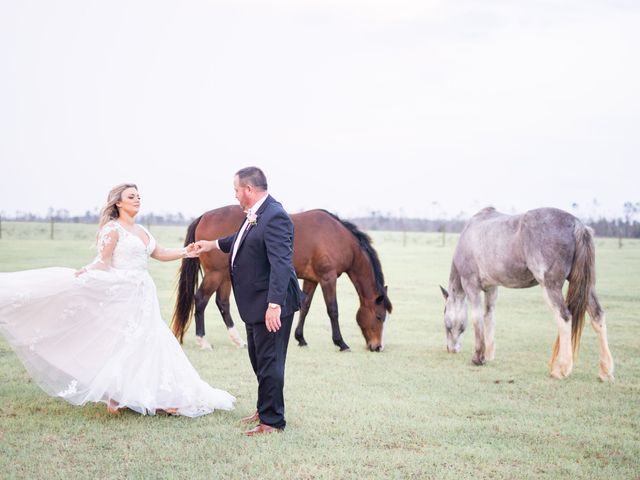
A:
(266, 290)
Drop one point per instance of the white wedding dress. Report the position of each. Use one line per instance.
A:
(99, 337)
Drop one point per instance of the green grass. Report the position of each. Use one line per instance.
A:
(413, 411)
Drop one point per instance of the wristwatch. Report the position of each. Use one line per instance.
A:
(273, 305)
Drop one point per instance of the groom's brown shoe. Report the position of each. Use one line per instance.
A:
(260, 429)
(251, 418)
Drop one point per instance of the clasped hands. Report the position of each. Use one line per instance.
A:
(202, 246)
(191, 251)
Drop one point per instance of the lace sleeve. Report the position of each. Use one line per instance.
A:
(107, 240)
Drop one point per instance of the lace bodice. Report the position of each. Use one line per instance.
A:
(129, 253)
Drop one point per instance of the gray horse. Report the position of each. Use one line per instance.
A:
(545, 246)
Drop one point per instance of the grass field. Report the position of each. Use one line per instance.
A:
(413, 411)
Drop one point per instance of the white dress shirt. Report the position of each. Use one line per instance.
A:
(253, 209)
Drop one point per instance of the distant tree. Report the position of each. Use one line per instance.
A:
(62, 214)
(630, 210)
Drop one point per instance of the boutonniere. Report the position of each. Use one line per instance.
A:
(252, 218)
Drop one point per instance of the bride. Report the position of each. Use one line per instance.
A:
(96, 334)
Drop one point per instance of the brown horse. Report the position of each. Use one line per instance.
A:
(324, 247)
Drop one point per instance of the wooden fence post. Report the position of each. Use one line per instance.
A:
(51, 228)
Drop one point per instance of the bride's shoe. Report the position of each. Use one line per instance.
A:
(168, 411)
(112, 407)
(203, 344)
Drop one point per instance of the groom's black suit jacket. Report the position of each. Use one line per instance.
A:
(262, 270)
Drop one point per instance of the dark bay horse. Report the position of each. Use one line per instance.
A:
(324, 247)
(545, 246)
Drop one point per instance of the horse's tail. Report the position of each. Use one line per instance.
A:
(582, 279)
(187, 286)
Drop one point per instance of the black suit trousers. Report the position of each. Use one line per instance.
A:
(268, 352)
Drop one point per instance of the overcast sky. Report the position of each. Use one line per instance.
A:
(416, 108)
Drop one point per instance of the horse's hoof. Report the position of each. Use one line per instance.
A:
(607, 377)
(302, 342)
(345, 349)
(235, 337)
(478, 361)
(561, 372)
(203, 343)
(606, 371)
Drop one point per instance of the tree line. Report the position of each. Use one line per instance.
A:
(93, 217)
(623, 227)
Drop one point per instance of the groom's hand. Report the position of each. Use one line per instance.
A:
(272, 318)
(203, 246)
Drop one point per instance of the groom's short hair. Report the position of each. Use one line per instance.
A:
(252, 176)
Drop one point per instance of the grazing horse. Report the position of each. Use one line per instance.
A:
(545, 246)
(324, 247)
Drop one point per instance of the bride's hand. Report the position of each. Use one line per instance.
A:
(191, 251)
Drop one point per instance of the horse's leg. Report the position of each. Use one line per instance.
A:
(561, 362)
(477, 317)
(210, 284)
(222, 302)
(309, 288)
(598, 322)
(490, 297)
(329, 292)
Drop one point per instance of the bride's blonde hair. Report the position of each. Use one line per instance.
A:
(110, 211)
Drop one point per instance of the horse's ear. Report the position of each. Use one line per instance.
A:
(380, 298)
(445, 294)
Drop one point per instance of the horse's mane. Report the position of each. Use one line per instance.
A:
(364, 241)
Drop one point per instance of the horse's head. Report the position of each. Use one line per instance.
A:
(455, 319)
(372, 318)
